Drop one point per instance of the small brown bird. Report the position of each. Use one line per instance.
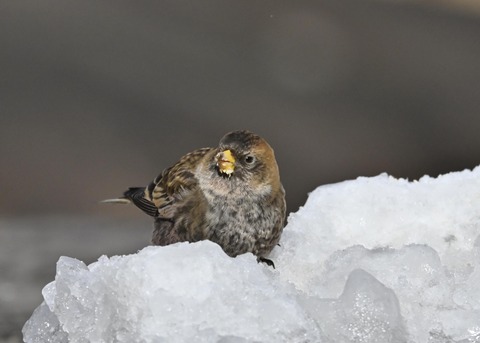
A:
(231, 195)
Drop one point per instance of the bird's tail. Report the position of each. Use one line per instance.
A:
(135, 195)
(128, 196)
(116, 201)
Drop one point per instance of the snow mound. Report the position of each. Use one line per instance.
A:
(369, 260)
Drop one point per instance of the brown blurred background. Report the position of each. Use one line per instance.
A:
(97, 96)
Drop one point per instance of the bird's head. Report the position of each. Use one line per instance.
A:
(246, 156)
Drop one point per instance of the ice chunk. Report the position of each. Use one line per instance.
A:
(43, 326)
(414, 272)
(183, 292)
(367, 311)
(380, 212)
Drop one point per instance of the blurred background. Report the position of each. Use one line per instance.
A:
(98, 96)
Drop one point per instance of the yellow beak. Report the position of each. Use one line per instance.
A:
(225, 162)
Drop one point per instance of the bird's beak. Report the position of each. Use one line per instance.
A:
(225, 162)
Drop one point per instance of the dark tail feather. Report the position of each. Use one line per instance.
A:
(137, 196)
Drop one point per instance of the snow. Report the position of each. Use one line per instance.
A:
(374, 259)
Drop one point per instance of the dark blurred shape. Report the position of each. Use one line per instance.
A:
(97, 96)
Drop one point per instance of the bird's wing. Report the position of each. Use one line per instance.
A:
(174, 183)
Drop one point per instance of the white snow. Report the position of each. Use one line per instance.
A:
(369, 260)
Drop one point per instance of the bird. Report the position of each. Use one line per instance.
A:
(230, 194)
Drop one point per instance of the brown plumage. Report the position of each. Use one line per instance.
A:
(231, 195)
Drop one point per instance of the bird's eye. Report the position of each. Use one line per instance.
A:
(249, 159)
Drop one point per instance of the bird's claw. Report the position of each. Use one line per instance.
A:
(266, 261)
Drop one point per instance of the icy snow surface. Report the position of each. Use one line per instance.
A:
(370, 260)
